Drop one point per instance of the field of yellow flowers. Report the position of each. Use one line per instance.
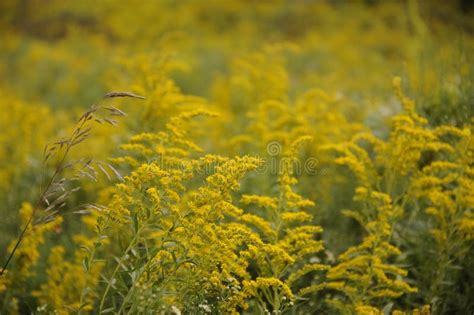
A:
(236, 157)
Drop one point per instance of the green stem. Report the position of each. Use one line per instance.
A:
(109, 283)
(83, 291)
(127, 297)
(35, 209)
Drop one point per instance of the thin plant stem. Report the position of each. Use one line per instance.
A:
(35, 209)
(109, 283)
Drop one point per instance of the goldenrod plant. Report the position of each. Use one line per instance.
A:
(272, 157)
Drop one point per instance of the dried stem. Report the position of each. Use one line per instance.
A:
(80, 133)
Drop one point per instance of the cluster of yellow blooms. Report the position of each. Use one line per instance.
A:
(28, 254)
(390, 179)
(24, 131)
(199, 233)
(262, 173)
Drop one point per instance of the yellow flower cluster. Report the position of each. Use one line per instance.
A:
(363, 272)
(390, 178)
(65, 283)
(285, 258)
(200, 234)
(268, 168)
(28, 253)
(25, 130)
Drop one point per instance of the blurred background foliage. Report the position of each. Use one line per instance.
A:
(59, 57)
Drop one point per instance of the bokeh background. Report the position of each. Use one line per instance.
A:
(59, 57)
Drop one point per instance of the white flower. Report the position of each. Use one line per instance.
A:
(175, 310)
(206, 308)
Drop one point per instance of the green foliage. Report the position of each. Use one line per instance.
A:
(269, 168)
